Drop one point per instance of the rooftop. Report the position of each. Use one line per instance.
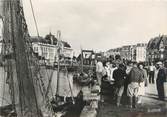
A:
(49, 39)
(154, 43)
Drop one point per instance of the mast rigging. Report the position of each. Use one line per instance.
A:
(16, 36)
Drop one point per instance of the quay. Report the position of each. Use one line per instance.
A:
(151, 106)
(92, 97)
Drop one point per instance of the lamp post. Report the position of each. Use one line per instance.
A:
(149, 58)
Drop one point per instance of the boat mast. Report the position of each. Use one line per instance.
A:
(81, 60)
(58, 61)
(16, 32)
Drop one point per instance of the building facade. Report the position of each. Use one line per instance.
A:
(157, 49)
(133, 53)
(113, 52)
(125, 52)
(141, 52)
(48, 51)
(130, 52)
(45, 51)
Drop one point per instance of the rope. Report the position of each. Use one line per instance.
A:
(49, 85)
(35, 21)
(72, 95)
(21, 89)
(49, 79)
(36, 25)
(10, 26)
(28, 59)
(6, 51)
(3, 96)
(4, 99)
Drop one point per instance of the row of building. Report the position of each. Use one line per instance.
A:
(130, 52)
(153, 51)
(46, 48)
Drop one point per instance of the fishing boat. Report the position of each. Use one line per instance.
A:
(87, 68)
(26, 89)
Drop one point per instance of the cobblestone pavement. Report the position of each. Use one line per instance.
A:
(151, 106)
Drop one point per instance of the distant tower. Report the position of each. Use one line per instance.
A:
(51, 38)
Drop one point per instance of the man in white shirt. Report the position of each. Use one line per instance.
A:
(113, 67)
(99, 71)
(151, 73)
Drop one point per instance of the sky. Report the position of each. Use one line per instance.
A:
(99, 24)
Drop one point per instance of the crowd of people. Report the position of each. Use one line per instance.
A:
(132, 78)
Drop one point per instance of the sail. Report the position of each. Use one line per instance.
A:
(18, 55)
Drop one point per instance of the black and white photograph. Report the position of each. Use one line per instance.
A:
(83, 58)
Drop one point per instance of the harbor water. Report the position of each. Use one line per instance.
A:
(66, 86)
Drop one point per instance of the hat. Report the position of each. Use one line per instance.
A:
(121, 65)
(159, 63)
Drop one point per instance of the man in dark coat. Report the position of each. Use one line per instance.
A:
(119, 76)
(161, 78)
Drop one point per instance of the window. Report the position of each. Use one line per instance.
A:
(165, 47)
